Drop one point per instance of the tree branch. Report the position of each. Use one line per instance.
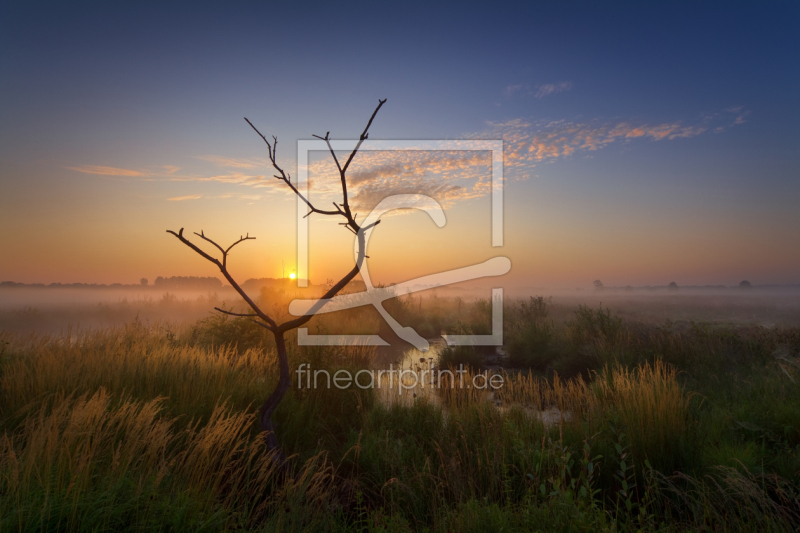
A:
(333, 154)
(270, 324)
(234, 314)
(202, 235)
(191, 245)
(364, 134)
(343, 170)
(283, 176)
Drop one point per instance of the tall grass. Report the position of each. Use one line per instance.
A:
(91, 462)
(144, 429)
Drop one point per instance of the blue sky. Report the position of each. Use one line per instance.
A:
(87, 86)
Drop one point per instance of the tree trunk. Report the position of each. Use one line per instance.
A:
(266, 411)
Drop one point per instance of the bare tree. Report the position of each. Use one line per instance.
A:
(259, 316)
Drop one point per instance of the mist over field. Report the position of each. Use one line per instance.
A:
(54, 310)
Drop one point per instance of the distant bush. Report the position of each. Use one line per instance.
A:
(595, 324)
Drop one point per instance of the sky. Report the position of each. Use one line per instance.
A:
(644, 142)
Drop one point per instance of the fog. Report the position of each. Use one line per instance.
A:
(56, 310)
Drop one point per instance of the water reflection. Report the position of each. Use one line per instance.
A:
(413, 378)
(403, 355)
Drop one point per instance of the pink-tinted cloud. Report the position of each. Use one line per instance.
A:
(182, 198)
(527, 143)
(447, 176)
(108, 171)
(230, 162)
(552, 88)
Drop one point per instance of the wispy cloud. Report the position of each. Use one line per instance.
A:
(739, 112)
(229, 162)
(460, 175)
(182, 198)
(552, 88)
(529, 143)
(227, 196)
(519, 88)
(237, 178)
(107, 171)
(446, 176)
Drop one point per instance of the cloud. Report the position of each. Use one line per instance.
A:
(447, 176)
(172, 173)
(230, 162)
(523, 89)
(511, 90)
(235, 178)
(108, 171)
(528, 143)
(552, 88)
(182, 198)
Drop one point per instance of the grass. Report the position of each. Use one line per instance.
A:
(151, 428)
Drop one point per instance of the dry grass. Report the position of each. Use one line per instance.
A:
(138, 429)
(133, 362)
(72, 447)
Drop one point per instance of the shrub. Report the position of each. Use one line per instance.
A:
(454, 356)
(572, 362)
(530, 346)
(220, 330)
(535, 309)
(595, 325)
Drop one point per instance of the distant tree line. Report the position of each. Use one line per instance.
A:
(10, 284)
(188, 282)
(171, 283)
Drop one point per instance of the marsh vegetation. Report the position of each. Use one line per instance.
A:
(152, 425)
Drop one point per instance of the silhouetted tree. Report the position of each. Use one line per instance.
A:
(143, 281)
(672, 286)
(258, 315)
(745, 285)
(598, 285)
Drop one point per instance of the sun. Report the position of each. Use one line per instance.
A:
(292, 276)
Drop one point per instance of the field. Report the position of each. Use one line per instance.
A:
(620, 411)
